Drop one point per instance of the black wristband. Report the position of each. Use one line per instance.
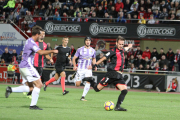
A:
(95, 65)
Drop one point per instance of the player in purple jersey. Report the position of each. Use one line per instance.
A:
(28, 72)
(87, 56)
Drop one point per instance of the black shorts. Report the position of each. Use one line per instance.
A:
(39, 70)
(59, 69)
(112, 77)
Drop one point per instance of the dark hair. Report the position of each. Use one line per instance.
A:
(36, 30)
(65, 37)
(120, 38)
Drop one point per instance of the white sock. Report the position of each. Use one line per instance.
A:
(35, 96)
(20, 89)
(86, 89)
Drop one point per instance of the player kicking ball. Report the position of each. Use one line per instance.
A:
(114, 74)
(64, 54)
(87, 56)
(29, 74)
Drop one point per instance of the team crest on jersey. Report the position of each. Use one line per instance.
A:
(67, 54)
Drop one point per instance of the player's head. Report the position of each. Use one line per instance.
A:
(87, 41)
(36, 32)
(120, 42)
(42, 34)
(65, 40)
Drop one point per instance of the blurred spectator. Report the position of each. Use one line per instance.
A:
(20, 57)
(49, 13)
(6, 56)
(36, 10)
(65, 17)
(130, 52)
(110, 4)
(176, 5)
(93, 18)
(163, 62)
(45, 4)
(141, 5)
(148, 5)
(121, 18)
(127, 6)
(163, 14)
(28, 20)
(42, 11)
(163, 5)
(3, 17)
(57, 16)
(2, 62)
(146, 62)
(134, 12)
(156, 14)
(141, 12)
(78, 4)
(165, 68)
(104, 5)
(170, 57)
(100, 12)
(156, 6)
(14, 54)
(84, 18)
(177, 60)
(73, 51)
(19, 12)
(172, 86)
(131, 61)
(148, 14)
(11, 17)
(161, 54)
(126, 61)
(119, 5)
(135, 4)
(92, 10)
(157, 68)
(172, 18)
(128, 18)
(57, 8)
(65, 9)
(146, 53)
(147, 68)
(10, 6)
(141, 68)
(172, 11)
(153, 63)
(113, 12)
(111, 19)
(15, 61)
(56, 3)
(138, 52)
(142, 20)
(132, 69)
(26, 5)
(76, 12)
(71, 11)
(135, 17)
(154, 53)
(106, 16)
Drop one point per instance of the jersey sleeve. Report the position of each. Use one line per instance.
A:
(94, 55)
(34, 47)
(69, 51)
(77, 53)
(109, 54)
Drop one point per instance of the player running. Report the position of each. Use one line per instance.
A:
(86, 55)
(28, 72)
(39, 59)
(114, 74)
(63, 56)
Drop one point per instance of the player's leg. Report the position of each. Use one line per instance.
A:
(123, 88)
(51, 80)
(63, 76)
(35, 94)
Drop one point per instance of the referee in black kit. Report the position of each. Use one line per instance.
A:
(114, 74)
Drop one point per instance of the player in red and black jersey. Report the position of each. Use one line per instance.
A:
(114, 74)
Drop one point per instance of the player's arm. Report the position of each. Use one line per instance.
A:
(129, 46)
(49, 58)
(74, 62)
(46, 52)
(69, 57)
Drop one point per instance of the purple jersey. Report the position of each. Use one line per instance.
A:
(85, 57)
(29, 50)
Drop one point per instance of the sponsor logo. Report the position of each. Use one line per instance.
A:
(143, 30)
(8, 36)
(101, 44)
(50, 27)
(96, 29)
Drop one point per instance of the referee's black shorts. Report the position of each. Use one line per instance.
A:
(113, 77)
(59, 69)
(39, 70)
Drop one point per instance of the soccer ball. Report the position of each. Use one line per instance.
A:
(108, 105)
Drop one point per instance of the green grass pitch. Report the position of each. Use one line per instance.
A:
(140, 106)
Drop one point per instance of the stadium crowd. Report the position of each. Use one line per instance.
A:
(135, 59)
(120, 11)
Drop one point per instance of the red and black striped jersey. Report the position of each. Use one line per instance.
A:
(117, 59)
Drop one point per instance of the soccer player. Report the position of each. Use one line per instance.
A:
(63, 56)
(28, 72)
(86, 55)
(114, 74)
(39, 59)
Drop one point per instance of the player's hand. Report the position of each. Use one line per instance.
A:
(74, 68)
(70, 62)
(89, 67)
(55, 51)
(130, 45)
(51, 60)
